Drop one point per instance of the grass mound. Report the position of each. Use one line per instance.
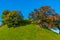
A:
(27, 32)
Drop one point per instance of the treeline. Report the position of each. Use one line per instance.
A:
(43, 16)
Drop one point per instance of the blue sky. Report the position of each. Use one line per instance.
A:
(27, 6)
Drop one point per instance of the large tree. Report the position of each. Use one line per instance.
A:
(11, 18)
(42, 14)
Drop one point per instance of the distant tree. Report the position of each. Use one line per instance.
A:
(12, 18)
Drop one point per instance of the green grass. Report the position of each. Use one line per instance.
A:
(28, 32)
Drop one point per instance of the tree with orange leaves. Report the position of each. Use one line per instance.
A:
(42, 14)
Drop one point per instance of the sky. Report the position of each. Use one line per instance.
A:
(27, 6)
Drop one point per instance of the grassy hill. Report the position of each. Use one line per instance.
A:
(27, 32)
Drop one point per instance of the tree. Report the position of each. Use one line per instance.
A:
(11, 18)
(4, 15)
(42, 14)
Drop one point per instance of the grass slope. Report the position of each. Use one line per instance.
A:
(28, 32)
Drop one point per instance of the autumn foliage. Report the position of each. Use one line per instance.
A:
(45, 16)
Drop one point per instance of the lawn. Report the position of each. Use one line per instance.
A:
(27, 32)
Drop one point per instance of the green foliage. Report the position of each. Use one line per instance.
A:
(12, 18)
